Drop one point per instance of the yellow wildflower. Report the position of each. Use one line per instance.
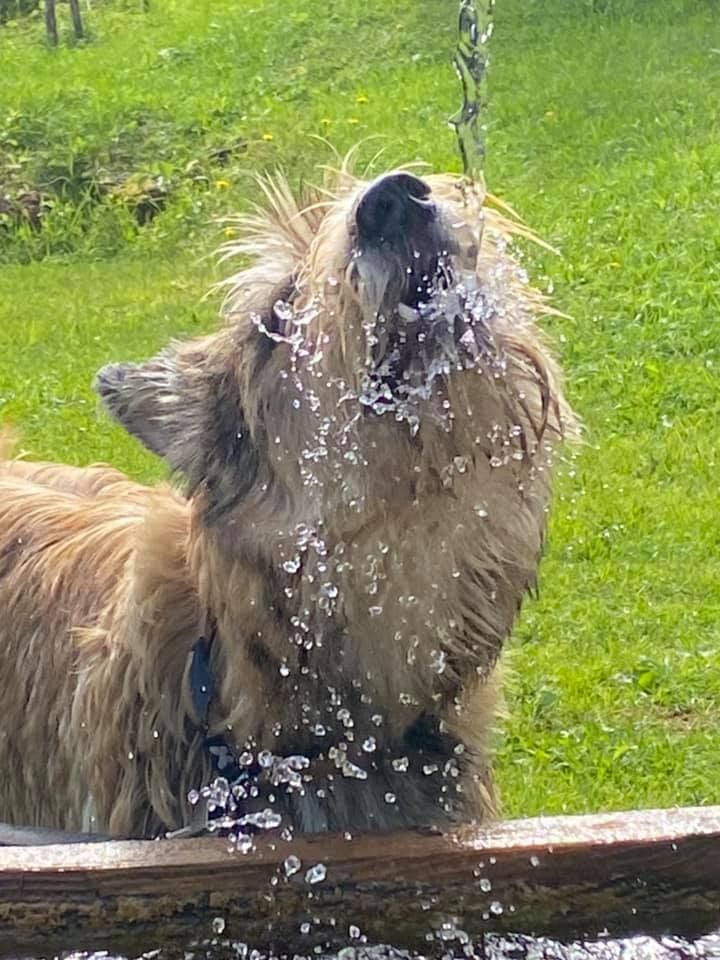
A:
(268, 137)
(222, 184)
(353, 120)
(361, 98)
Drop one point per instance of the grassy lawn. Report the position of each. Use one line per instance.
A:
(604, 134)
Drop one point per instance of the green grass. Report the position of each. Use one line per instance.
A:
(604, 133)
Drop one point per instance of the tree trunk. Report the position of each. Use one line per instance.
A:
(76, 19)
(51, 23)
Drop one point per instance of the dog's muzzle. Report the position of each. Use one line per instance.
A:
(404, 266)
(400, 241)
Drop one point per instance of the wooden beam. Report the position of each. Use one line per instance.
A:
(640, 872)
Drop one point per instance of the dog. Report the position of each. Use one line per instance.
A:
(308, 627)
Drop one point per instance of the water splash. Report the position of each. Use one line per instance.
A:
(454, 942)
(475, 27)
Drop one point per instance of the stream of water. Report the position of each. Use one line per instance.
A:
(475, 27)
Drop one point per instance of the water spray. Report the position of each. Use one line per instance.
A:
(475, 27)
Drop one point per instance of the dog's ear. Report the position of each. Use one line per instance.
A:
(157, 402)
(186, 408)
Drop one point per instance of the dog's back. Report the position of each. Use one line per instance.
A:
(65, 536)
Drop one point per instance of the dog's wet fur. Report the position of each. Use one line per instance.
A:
(364, 450)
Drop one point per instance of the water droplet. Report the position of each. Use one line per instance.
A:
(438, 661)
(400, 764)
(480, 510)
(267, 819)
(218, 926)
(292, 864)
(485, 885)
(244, 843)
(354, 932)
(496, 907)
(345, 717)
(283, 310)
(375, 611)
(316, 874)
(353, 771)
(390, 797)
(534, 861)
(369, 745)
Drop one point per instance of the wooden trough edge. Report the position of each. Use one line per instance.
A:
(654, 871)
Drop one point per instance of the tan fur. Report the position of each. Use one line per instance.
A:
(363, 572)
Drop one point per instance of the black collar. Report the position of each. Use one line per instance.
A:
(202, 687)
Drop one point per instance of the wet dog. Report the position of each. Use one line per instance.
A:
(313, 622)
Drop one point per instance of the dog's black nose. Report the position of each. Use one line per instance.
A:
(393, 207)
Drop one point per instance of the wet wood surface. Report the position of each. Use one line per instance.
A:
(649, 872)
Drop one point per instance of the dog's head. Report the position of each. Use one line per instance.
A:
(380, 333)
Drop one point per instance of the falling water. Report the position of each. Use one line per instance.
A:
(475, 27)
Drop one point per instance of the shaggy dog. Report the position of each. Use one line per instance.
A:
(365, 450)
